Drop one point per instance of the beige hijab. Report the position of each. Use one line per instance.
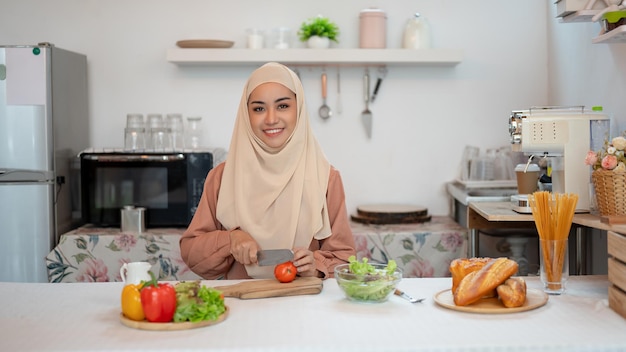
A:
(278, 195)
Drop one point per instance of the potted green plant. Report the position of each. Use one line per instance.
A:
(317, 32)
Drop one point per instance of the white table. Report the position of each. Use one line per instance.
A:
(84, 316)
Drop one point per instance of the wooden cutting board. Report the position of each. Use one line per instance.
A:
(251, 289)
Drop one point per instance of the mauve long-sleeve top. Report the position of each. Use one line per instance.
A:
(205, 245)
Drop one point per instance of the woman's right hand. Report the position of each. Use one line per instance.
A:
(243, 247)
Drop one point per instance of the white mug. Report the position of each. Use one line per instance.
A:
(135, 272)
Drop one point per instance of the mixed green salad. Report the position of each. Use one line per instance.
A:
(365, 282)
(195, 302)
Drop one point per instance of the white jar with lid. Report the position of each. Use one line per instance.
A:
(372, 29)
(417, 33)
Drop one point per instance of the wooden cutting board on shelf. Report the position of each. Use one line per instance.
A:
(390, 214)
(251, 289)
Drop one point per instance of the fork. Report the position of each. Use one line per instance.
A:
(402, 294)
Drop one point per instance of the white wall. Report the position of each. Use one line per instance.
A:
(582, 73)
(423, 117)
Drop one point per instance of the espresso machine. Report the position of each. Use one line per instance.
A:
(564, 135)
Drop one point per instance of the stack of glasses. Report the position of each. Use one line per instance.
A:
(157, 135)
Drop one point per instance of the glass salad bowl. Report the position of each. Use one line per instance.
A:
(374, 286)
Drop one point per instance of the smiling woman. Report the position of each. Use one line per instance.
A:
(273, 115)
(276, 190)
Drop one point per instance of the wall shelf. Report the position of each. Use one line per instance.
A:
(579, 16)
(617, 35)
(317, 57)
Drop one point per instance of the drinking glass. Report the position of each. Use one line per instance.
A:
(469, 152)
(134, 139)
(161, 139)
(553, 265)
(193, 133)
(154, 121)
(482, 169)
(134, 121)
(175, 124)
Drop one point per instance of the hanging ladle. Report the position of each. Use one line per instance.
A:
(324, 111)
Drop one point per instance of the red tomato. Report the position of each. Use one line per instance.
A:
(285, 272)
(158, 302)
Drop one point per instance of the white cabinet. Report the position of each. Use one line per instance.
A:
(317, 57)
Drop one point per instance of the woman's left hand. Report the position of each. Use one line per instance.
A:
(304, 260)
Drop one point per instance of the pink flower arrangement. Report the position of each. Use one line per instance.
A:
(611, 157)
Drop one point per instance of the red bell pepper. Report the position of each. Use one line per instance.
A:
(158, 301)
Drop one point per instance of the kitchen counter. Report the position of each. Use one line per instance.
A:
(82, 317)
(501, 215)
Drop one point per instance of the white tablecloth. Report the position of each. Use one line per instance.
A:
(82, 316)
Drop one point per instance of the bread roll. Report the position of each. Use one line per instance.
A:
(512, 292)
(477, 284)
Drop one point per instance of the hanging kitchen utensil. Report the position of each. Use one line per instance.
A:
(324, 111)
(366, 115)
(339, 107)
(382, 74)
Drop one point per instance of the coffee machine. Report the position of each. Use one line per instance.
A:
(564, 135)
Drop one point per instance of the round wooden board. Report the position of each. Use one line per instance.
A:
(391, 210)
(382, 221)
(146, 325)
(204, 43)
(534, 299)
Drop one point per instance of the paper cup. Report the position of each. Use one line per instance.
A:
(527, 182)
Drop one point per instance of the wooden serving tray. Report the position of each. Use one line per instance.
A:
(146, 325)
(534, 299)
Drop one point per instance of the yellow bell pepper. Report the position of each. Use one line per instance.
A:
(131, 302)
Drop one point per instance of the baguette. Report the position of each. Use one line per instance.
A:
(460, 267)
(512, 292)
(477, 284)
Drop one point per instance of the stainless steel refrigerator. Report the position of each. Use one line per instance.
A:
(43, 125)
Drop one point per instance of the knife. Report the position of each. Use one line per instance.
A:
(274, 256)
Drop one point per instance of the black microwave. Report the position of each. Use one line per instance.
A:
(167, 185)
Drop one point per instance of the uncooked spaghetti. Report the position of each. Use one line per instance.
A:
(553, 215)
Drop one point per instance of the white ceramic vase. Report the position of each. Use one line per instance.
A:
(317, 42)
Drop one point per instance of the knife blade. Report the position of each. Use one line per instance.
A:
(274, 256)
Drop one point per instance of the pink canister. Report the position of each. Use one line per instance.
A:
(373, 29)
